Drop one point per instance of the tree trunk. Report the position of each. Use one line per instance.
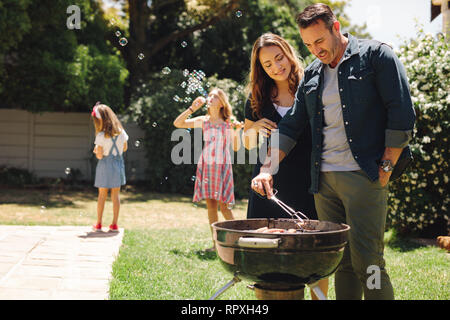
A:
(139, 15)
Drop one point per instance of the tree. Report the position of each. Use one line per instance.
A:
(154, 25)
(52, 68)
(181, 33)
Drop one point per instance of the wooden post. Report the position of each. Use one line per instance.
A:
(445, 11)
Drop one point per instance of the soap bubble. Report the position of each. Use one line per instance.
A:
(183, 84)
(184, 44)
(118, 33)
(229, 206)
(195, 82)
(166, 70)
(187, 99)
(239, 13)
(141, 56)
(176, 98)
(185, 72)
(137, 143)
(67, 171)
(193, 178)
(123, 42)
(154, 124)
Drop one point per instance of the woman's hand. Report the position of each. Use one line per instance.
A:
(264, 127)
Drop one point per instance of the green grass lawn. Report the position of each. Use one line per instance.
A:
(162, 256)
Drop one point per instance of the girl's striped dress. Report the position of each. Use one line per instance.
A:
(214, 178)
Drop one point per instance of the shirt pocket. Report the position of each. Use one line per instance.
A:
(362, 84)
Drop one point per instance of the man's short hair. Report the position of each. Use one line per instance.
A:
(313, 13)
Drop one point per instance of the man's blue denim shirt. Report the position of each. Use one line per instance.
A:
(376, 106)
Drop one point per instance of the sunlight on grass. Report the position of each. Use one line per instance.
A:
(161, 256)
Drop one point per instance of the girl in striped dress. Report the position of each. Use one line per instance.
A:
(214, 177)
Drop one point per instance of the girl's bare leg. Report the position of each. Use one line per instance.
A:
(102, 195)
(115, 197)
(212, 205)
(227, 214)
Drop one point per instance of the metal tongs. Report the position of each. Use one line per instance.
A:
(294, 214)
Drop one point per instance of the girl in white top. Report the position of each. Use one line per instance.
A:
(110, 143)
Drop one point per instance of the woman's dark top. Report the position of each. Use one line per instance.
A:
(292, 180)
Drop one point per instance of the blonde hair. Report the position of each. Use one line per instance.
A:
(260, 84)
(109, 123)
(226, 112)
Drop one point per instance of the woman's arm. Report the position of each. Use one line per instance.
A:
(125, 146)
(253, 128)
(182, 120)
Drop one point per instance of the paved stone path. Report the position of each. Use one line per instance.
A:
(62, 263)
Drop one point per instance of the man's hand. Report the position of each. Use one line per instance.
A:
(391, 154)
(384, 177)
(263, 183)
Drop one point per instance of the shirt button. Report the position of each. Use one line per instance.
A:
(317, 163)
(356, 157)
(343, 106)
(350, 140)
(346, 123)
(340, 89)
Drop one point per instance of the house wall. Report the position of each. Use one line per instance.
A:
(48, 143)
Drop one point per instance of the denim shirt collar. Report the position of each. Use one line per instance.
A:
(352, 49)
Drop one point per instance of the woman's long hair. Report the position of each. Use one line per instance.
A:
(109, 123)
(261, 87)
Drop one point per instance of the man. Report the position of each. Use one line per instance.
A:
(356, 98)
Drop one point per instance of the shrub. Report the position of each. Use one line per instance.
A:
(10, 176)
(419, 200)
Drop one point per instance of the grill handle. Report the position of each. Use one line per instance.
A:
(248, 242)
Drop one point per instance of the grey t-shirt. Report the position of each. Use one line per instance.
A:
(336, 153)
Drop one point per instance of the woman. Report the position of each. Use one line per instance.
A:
(275, 73)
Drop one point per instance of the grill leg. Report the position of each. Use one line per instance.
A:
(315, 287)
(225, 287)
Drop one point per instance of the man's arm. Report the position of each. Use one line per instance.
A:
(392, 84)
(281, 143)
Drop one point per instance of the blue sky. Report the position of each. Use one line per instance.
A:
(387, 20)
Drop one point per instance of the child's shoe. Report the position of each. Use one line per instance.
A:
(97, 227)
(113, 228)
